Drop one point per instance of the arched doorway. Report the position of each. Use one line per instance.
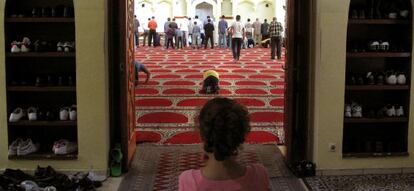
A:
(297, 73)
(203, 10)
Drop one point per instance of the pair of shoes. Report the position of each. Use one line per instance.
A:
(63, 147)
(116, 161)
(43, 46)
(68, 113)
(353, 110)
(19, 114)
(22, 147)
(379, 46)
(65, 46)
(390, 111)
(23, 46)
(392, 78)
(357, 14)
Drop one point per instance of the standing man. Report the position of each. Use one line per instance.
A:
(152, 25)
(265, 33)
(166, 27)
(201, 25)
(136, 31)
(196, 35)
(190, 31)
(146, 31)
(275, 32)
(174, 26)
(238, 34)
(209, 29)
(184, 29)
(222, 32)
(257, 30)
(249, 33)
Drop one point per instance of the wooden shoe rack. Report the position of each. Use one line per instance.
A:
(376, 134)
(44, 77)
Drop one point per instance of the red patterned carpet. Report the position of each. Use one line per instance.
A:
(166, 107)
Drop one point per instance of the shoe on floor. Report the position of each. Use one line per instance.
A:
(16, 115)
(63, 147)
(27, 147)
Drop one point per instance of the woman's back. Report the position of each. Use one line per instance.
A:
(255, 178)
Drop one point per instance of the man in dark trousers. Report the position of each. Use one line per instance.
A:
(275, 32)
(265, 33)
(152, 25)
(136, 31)
(209, 29)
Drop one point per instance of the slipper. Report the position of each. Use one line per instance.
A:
(116, 161)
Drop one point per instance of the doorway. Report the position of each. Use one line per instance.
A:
(296, 102)
(203, 10)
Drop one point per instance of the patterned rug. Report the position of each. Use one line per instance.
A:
(390, 182)
(167, 106)
(157, 167)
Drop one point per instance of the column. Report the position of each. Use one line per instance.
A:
(190, 12)
(234, 8)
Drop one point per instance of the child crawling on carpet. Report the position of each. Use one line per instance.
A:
(210, 82)
(223, 125)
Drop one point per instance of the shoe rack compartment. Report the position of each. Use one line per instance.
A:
(43, 76)
(378, 76)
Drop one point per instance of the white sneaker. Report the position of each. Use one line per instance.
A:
(24, 48)
(63, 147)
(64, 114)
(391, 79)
(385, 46)
(17, 114)
(391, 111)
(27, 147)
(356, 110)
(401, 79)
(399, 112)
(15, 48)
(348, 110)
(59, 47)
(13, 147)
(73, 115)
(32, 114)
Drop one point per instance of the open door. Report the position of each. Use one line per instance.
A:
(122, 71)
(297, 89)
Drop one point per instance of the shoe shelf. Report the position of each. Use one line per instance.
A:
(40, 20)
(44, 156)
(27, 123)
(376, 87)
(377, 120)
(41, 75)
(367, 155)
(378, 79)
(42, 55)
(41, 89)
(378, 54)
(379, 21)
